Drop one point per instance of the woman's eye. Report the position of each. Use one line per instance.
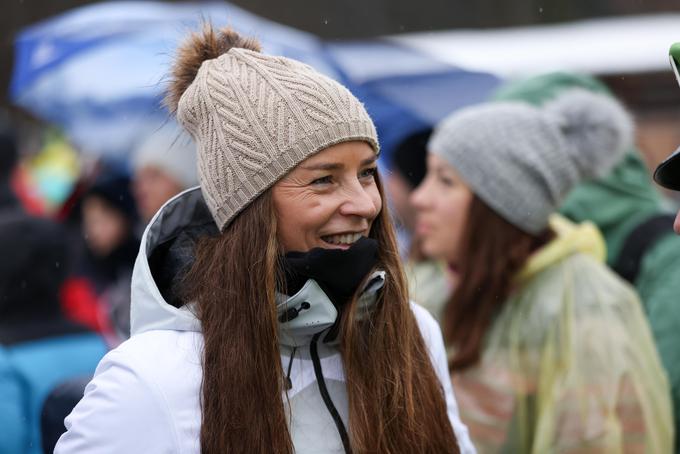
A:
(370, 172)
(446, 180)
(323, 180)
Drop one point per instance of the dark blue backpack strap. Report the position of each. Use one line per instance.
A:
(638, 242)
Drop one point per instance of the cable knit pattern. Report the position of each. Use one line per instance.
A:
(254, 117)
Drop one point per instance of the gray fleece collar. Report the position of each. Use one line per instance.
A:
(310, 311)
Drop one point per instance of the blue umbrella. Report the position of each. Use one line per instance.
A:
(406, 91)
(98, 71)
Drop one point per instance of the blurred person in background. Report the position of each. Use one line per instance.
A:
(9, 156)
(407, 169)
(428, 280)
(550, 350)
(61, 400)
(39, 347)
(164, 165)
(99, 292)
(636, 223)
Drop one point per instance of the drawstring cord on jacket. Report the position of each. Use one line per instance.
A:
(289, 383)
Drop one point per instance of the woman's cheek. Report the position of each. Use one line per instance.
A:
(377, 200)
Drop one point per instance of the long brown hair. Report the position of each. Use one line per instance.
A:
(493, 251)
(233, 280)
(396, 402)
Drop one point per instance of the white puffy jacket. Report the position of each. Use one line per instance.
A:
(145, 395)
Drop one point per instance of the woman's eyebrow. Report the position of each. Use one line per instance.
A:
(324, 166)
(329, 166)
(368, 161)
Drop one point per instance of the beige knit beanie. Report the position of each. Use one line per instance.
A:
(254, 117)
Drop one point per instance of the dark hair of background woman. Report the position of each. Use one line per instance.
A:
(493, 252)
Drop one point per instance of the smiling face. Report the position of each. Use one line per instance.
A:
(442, 202)
(329, 200)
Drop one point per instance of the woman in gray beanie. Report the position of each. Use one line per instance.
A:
(549, 350)
(269, 308)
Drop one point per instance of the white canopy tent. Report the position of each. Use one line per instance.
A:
(621, 45)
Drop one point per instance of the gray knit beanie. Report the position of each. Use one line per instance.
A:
(170, 149)
(522, 160)
(254, 117)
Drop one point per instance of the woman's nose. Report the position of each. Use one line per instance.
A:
(360, 202)
(418, 196)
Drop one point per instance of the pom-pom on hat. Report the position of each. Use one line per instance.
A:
(254, 117)
(522, 161)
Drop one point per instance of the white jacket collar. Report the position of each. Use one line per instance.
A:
(310, 311)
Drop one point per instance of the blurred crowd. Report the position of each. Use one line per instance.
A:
(65, 280)
(566, 226)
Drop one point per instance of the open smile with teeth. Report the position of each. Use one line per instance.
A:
(344, 239)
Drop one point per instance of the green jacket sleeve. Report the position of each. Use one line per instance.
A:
(659, 288)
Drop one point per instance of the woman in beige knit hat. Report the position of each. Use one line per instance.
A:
(269, 308)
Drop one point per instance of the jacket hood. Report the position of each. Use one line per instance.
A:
(149, 308)
(569, 239)
(167, 248)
